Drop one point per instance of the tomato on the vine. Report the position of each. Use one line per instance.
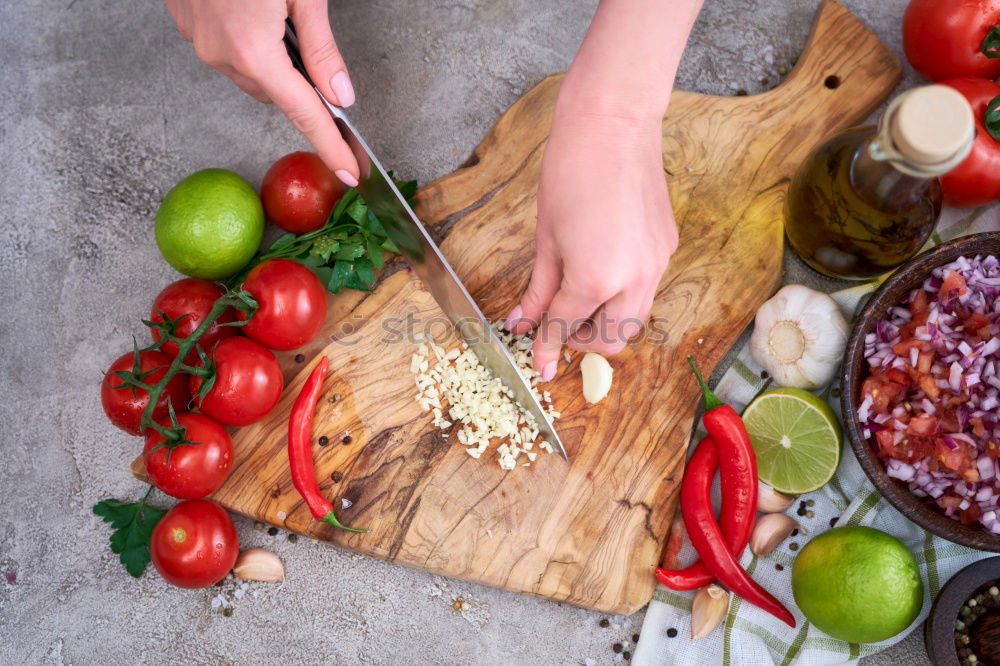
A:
(124, 405)
(291, 304)
(189, 471)
(195, 544)
(192, 297)
(248, 383)
(976, 180)
(950, 38)
(299, 192)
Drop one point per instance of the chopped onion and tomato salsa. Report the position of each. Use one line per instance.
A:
(931, 403)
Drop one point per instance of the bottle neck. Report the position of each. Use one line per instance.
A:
(881, 183)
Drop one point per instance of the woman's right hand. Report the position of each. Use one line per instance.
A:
(244, 42)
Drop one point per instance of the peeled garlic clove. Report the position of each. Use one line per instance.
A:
(710, 605)
(770, 500)
(596, 377)
(259, 564)
(771, 529)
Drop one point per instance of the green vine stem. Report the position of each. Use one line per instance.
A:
(240, 300)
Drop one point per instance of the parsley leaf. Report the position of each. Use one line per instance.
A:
(345, 252)
(133, 524)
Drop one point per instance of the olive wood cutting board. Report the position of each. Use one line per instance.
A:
(590, 531)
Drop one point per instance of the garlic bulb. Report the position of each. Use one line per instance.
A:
(799, 337)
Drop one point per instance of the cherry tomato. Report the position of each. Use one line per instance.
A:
(976, 180)
(944, 38)
(124, 406)
(195, 544)
(292, 304)
(299, 192)
(247, 386)
(192, 297)
(189, 471)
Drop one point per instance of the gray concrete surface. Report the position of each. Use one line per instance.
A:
(102, 109)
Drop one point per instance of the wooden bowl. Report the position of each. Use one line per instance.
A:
(855, 370)
(939, 630)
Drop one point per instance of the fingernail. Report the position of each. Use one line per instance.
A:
(549, 371)
(346, 178)
(342, 88)
(513, 318)
(631, 329)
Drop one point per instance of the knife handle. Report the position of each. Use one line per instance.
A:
(292, 46)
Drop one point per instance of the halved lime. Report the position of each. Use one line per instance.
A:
(796, 437)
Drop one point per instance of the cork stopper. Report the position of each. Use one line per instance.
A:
(931, 126)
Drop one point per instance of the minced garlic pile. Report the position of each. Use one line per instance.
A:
(479, 402)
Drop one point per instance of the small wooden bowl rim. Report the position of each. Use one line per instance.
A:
(854, 371)
(939, 630)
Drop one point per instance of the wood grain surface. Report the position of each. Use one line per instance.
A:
(587, 532)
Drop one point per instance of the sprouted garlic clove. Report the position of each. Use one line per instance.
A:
(770, 500)
(709, 607)
(597, 375)
(771, 529)
(259, 564)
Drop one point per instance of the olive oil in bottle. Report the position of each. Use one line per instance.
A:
(868, 199)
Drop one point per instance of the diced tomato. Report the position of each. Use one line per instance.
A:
(948, 419)
(993, 449)
(885, 443)
(903, 348)
(883, 392)
(909, 329)
(919, 303)
(924, 425)
(952, 287)
(898, 376)
(975, 322)
(958, 460)
(970, 515)
(978, 427)
(924, 361)
(929, 386)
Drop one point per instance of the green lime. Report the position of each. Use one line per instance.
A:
(857, 584)
(796, 437)
(210, 224)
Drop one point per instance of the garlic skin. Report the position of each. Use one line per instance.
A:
(770, 500)
(597, 373)
(771, 529)
(259, 564)
(707, 610)
(799, 337)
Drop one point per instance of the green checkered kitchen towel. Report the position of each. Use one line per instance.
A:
(751, 636)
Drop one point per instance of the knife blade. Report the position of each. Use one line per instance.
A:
(430, 265)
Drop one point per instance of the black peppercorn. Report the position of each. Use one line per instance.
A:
(324, 440)
(272, 531)
(617, 647)
(604, 623)
(346, 439)
(627, 655)
(299, 358)
(833, 521)
(635, 638)
(227, 611)
(795, 532)
(336, 476)
(671, 632)
(778, 567)
(292, 538)
(793, 546)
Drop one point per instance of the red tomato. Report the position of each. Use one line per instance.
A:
(944, 38)
(194, 298)
(960, 460)
(124, 406)
(247, 386)
(952, 286)
(299, 192)
(190, 471)
(292, 304)
(195, 544)
(976, 180)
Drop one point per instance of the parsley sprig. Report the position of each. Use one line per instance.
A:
(345, 252)
(133, 525)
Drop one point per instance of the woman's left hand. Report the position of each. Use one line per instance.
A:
(604, 237)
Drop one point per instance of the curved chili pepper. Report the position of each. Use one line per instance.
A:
(726, 428)
(300, 448)
(736, 518)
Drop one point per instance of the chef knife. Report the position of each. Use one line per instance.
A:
(416, 245)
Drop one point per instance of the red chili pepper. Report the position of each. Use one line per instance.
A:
(726, 428)
(300, 449)
(739, 508)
